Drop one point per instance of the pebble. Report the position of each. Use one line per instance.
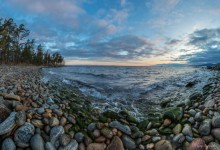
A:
(96, 133)
(8, 124)
(23, 135)
(73, 145)
(64, 139)
(8, 144)
(216, 133)
(96, 146)
(79, 136)
(198, 116)
(37, 142)
(163, 145)
(63, 121)
(49, 146)
(179, 138)
(187, 130)
(91, 127)
(20, 118)
(116, 144)
(216, 121)
(54, 121)
(107, 133)
(197, 144)
(177, 129)
(166, 122)
(205, 127)
(213, 146)
(55, 134)
(37, 123)
(156, 139)
(119, 126)
(128, 142)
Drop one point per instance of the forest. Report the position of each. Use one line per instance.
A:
(17, 48)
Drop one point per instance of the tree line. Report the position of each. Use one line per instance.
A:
(16, 48)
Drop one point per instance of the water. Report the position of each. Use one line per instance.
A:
(138, 89)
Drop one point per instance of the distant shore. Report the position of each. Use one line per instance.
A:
(55, 115)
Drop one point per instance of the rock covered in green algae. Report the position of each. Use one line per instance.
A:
(174, 114)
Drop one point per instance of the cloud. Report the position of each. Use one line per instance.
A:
(207, 47)
(128, 47)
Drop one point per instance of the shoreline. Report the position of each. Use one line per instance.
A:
(58, 116)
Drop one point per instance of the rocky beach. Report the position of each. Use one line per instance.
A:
(53, 115)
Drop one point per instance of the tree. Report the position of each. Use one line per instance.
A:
(39, 57)
(15, 47)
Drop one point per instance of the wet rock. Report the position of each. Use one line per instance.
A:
(173, 114)
(192, 112)
(20, 118)
(4, 111)
(37, 123)
(49, 146)
(216, 121)
(156, 139)
(167, 122)
(79, 136)
(50, 101)
(54, 106)
(96, 146)
(213, 146)
(128, 142)
(64, 139)
(164, 103)
(208, 138)
(152, 132)
(40, 110)
(138, 134)
(55, 134)
(119, 126)
(73, 145)
(210, 104)
(63, 121)
(107, 133)
(12, 97)
(216, 133)
(198, 116)
(195, 96)
(8, 144)
(205, 127)
(116, 144)
(23, 135)
(163, 145)
(179, 138)
(71, 120)
(187, 130)
(91, 127)
(197, 144)
(54, 121)
(145, 138)
(37, 142)
(177, 129)
(21, 108)
(8, 124)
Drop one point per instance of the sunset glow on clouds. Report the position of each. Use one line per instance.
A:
(123, 32)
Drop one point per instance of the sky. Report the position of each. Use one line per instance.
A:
(122, 32)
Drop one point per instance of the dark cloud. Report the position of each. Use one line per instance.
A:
(207, 45)
(127, 47)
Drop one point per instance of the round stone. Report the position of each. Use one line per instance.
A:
(163, 145)
(197, 144)
(8, 144)
(79, 136)
(216, 121)
(23, 135)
